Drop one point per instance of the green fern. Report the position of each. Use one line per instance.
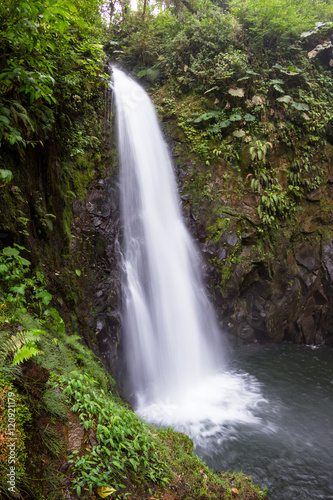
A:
(22, 345)
(27, 321)
(19, 112)
(26, 352)
(55, 402)
(44, 118)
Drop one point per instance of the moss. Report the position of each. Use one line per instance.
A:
(15, 416)
(218, 228)
(196, 480)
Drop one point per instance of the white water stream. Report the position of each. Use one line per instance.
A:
(174, 353)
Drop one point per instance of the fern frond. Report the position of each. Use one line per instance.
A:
(27, 321)
(19, 111)
(34, 334)
(18, 106)
(12, 344)
(73, 340)
(25, 336)
(26, 352)
(21, 341)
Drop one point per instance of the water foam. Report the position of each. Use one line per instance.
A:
(210, 412)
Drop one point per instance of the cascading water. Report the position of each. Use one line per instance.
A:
(177, 374)
(173, 345)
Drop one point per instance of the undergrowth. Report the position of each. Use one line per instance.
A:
(126, 451)
(57, 381)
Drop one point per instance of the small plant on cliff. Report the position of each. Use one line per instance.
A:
(275, 204)
(258, 150)
(125, 450)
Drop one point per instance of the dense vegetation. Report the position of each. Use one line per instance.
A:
(245, 90)
(245, 84)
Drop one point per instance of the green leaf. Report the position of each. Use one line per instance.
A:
(278, 88)
(134, 464)
(6, 110)
(236, 92)
(117, 464)
(56, 316)
(78, 272)
(11, 252)
(224, 123)
(19, 290)
(294, 70)
(4, 119)
(239, 133)
(35, 333)
(210, 90)
(300, 106)
(26, 352)
(249, 118)
(235, 118)
(285, 98)
(276, 81)
(307, 33)
(206, 116)
(45, 296)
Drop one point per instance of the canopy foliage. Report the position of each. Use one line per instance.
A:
(50, 51)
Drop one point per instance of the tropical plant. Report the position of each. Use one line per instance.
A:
(125, 448)
(40, 42)
(270, 19)
(22, 346)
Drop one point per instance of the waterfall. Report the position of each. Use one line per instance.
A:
(173, 345)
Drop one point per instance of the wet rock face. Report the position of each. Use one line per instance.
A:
(328, 260)
(287, 295)
(97, 227)
(267, 289)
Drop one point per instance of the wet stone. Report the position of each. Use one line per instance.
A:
(232, 239)
(307, 256)
(222, 253)
(309, 329)
(328, 258)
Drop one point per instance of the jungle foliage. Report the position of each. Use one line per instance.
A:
(52, 87)
(245, 82)
(50, 55)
